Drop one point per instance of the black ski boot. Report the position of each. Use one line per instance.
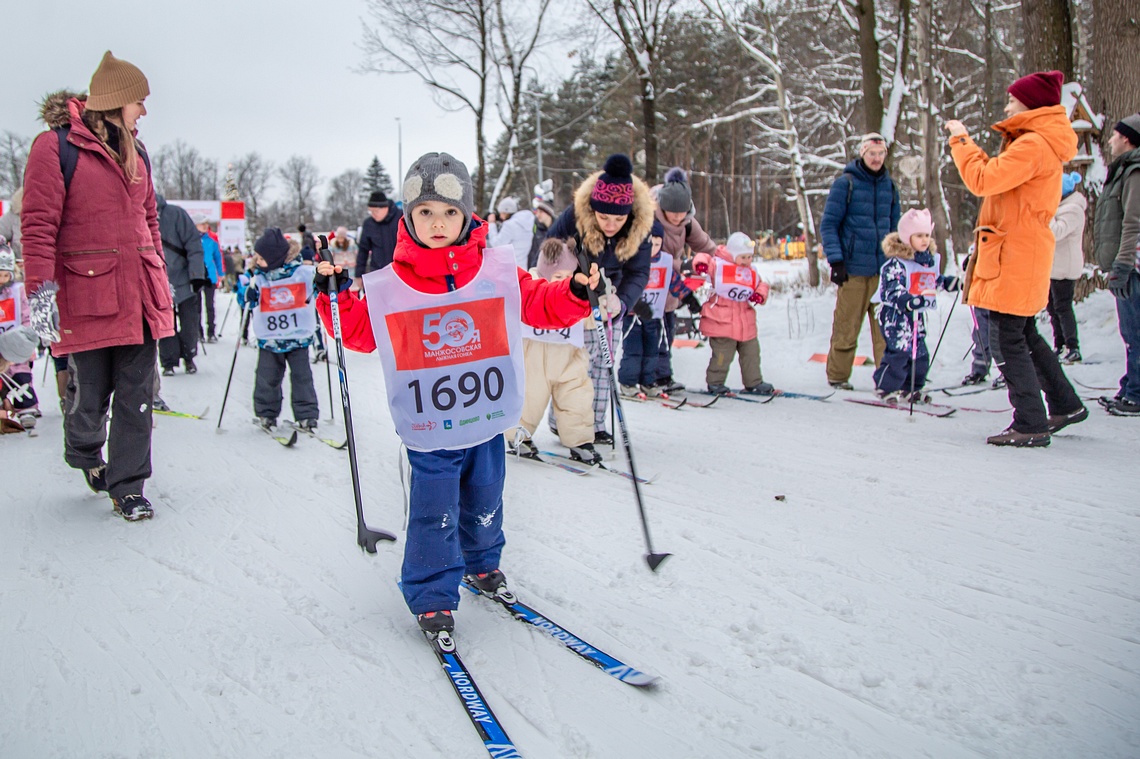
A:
(493, 583)
(586, 454)
(96, 478)
(133, 507)
(436, 622)
(603, 438)
(523, 446)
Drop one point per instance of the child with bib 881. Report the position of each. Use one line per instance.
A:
(446, 318)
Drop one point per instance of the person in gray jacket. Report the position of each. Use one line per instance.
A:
(1068, 227)
(10, 224)
(186, 270)
(1117, 234)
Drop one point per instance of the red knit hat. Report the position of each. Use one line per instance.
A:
(1039, 90)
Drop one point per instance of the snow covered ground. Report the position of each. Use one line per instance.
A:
(915, 593)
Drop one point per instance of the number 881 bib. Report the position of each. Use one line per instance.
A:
(452, 362)
(283, 309)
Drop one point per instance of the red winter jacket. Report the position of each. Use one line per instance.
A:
(99, 240)
(547, 305)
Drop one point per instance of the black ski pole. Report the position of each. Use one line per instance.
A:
(945, 324)
(653, 559)
(366, 538)
(225, 316)
(237, 344)
(913, 359)
(328, 367)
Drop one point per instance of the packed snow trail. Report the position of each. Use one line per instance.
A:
(916, 593)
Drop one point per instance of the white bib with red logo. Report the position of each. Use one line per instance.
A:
(736, 283)
(283, 309)
(453, 362)
(919, 279)
(10, 314)
(566, 336)
(657, 290)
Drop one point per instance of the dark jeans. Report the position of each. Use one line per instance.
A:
(119, 378)
(267, 394)
(981, 350)
(184, 342)
(1030, 367)
(1128, 314)
(208, 299)
(1061, 314)
(640, 346)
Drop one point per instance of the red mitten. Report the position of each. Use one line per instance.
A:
(760, 297)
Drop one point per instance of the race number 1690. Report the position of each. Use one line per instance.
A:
(470, 385)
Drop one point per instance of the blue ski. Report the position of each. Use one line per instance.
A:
(603, 661)
(490, 730)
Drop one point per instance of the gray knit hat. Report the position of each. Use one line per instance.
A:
(442, 177)
(18, 345)
(675, 196)
(1129, 127)
(7, 257)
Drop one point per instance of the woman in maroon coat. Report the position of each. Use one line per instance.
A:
(96, 272)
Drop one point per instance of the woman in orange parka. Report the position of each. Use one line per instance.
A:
(1009, 272)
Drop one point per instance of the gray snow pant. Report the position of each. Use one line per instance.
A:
(184, 342)
(981, 350)
(267, 393)
(122, 375)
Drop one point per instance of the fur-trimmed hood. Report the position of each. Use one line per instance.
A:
(894, 247)
(631, 236)
(55, 110)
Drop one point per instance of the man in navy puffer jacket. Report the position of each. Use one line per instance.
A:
(862, 208)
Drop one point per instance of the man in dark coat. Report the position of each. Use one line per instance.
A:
(186, 270)
(377, 240)
(862, 208)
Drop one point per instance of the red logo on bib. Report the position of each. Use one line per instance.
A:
(656, 278)
(282, 297)
(8, 310)
(741, 275)
(920, 281)
(432, 337)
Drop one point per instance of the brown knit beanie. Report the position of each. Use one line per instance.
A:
(116, 83)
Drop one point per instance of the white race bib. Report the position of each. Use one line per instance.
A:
(10, 313)
(657, 290)
(735, 283)
(284, 310)
(453, 362)
(565, 336)
(919, 279)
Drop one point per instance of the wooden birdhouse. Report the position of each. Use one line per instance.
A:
(1086, 123)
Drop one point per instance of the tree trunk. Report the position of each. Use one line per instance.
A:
(869, 56)
(1048, 36)
(933, 196)
(649, 126)
(1115, 50)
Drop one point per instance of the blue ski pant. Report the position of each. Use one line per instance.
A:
(455, 522)
(641, 348)
(893, 373)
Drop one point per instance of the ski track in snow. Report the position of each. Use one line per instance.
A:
(916, 594)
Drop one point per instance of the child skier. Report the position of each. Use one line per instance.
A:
(280, 293)
(906, 280)
(558, 369)
(17, 346)
(643, 329)
(728, 318)
(16, 387)
(446, 320)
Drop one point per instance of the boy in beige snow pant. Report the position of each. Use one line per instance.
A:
(560, 373)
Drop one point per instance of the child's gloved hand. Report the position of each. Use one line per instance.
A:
(760, 297)
(692, 303)
(951, 284)
(580, 282)
(701, 267)
(325, 271)
(642, 310)
(915, 302)
(45, 313)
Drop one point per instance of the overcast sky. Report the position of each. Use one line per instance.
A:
(231, 76)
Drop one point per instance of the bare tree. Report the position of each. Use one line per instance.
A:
(518, 29)
(13, 157)
(640, 26)
(301, 178)
(342, 204)
(930, 123)
(1048, 36)
(252, 175)
(447, 44)
(180, 171)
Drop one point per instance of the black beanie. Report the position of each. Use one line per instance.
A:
(1129, 126)
(377, 199)
(273, 247)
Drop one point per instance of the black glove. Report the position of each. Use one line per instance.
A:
(642, 310)
(915, 302)
(692, 303)
(579, 290)
(951, 284)
(321, 282)
(1119, 281)
(839, 273)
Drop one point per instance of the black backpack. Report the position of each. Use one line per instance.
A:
(69, 156)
